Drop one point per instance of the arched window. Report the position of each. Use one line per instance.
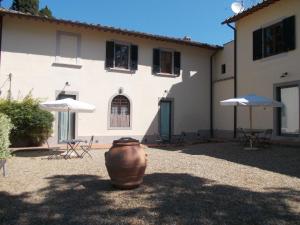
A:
(120, 112)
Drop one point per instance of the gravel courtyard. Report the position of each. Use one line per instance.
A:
(202, 184)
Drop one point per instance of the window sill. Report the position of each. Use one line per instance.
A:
(272, 57)
(116, 69)
(119, 128)
(67, 65)
(166, 74)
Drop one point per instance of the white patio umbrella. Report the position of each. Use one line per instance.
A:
(67, 105)
(251, 101)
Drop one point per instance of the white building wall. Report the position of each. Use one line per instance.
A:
(29, 51)
(260, 76)
(223, 88)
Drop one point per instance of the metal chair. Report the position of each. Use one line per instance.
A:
(53, 151)
(159, 140)
(265, 139)
(87, 148)
(242, 137)
(179, 140)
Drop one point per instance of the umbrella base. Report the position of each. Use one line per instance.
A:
(251, 148)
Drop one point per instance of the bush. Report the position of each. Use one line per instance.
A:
(5, 128)
(32, 125)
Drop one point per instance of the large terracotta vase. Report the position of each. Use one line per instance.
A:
(126, 163)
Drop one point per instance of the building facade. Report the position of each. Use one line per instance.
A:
(268, 37)
(146, 85)
(142, 85)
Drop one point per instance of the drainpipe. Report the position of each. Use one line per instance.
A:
(1, 27)
(234, 78)
(211, 95)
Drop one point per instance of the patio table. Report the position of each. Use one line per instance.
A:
(72, 144)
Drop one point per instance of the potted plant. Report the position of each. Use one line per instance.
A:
(5, 128)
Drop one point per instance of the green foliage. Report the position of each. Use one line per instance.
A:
(32, 7)
(32, 125)
(46, 12)
(5, 128)
(26, 6)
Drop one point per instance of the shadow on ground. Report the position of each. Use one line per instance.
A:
(163, 199)
(32, 153)
(284, 160)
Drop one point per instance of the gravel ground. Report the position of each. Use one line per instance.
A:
(202, 184)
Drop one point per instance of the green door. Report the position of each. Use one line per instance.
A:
(165, 120)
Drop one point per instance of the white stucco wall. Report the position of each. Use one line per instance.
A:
(29, 50)
(260, 76)
(223, 88)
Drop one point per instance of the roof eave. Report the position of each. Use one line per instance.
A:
(113, 30)
(249, 11)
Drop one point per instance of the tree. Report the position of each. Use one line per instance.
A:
(26, 6)
(46, 12)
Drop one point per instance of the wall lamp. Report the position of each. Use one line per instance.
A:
(283, 75)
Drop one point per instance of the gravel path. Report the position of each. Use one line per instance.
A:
(203, 184)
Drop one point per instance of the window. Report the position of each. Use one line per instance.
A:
(68, 48)
(121, 56)
(223, 68)
(120, 112)
(274, 39)
(166, 62)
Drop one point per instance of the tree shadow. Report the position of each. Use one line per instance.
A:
(164, 198)
(41, 152)
(284, 160)
(188, 199)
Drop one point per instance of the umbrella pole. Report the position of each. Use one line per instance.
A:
(68, 127)
(251, 118)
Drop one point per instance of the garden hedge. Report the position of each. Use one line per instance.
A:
(32, 126)
(5, 128)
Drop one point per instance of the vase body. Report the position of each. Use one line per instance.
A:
(126, 163)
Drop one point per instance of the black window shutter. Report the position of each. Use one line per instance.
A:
(177, 63)
(156, 61)
(289, 33)
(110, 52)
(134, 57)
(257, 44)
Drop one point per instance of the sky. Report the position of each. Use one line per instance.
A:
(198, 19)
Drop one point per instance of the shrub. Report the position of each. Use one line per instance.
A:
(32, 125)
(5, 128)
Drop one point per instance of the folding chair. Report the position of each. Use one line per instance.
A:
(179, 140)
(243, 138)
(53, 151)
(159, 140)
(87, 148)
(265, 139)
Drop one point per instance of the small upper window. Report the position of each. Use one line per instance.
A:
(274, 39)
(122, 56)
(68, 48)
(166, 62)
(223, 68)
